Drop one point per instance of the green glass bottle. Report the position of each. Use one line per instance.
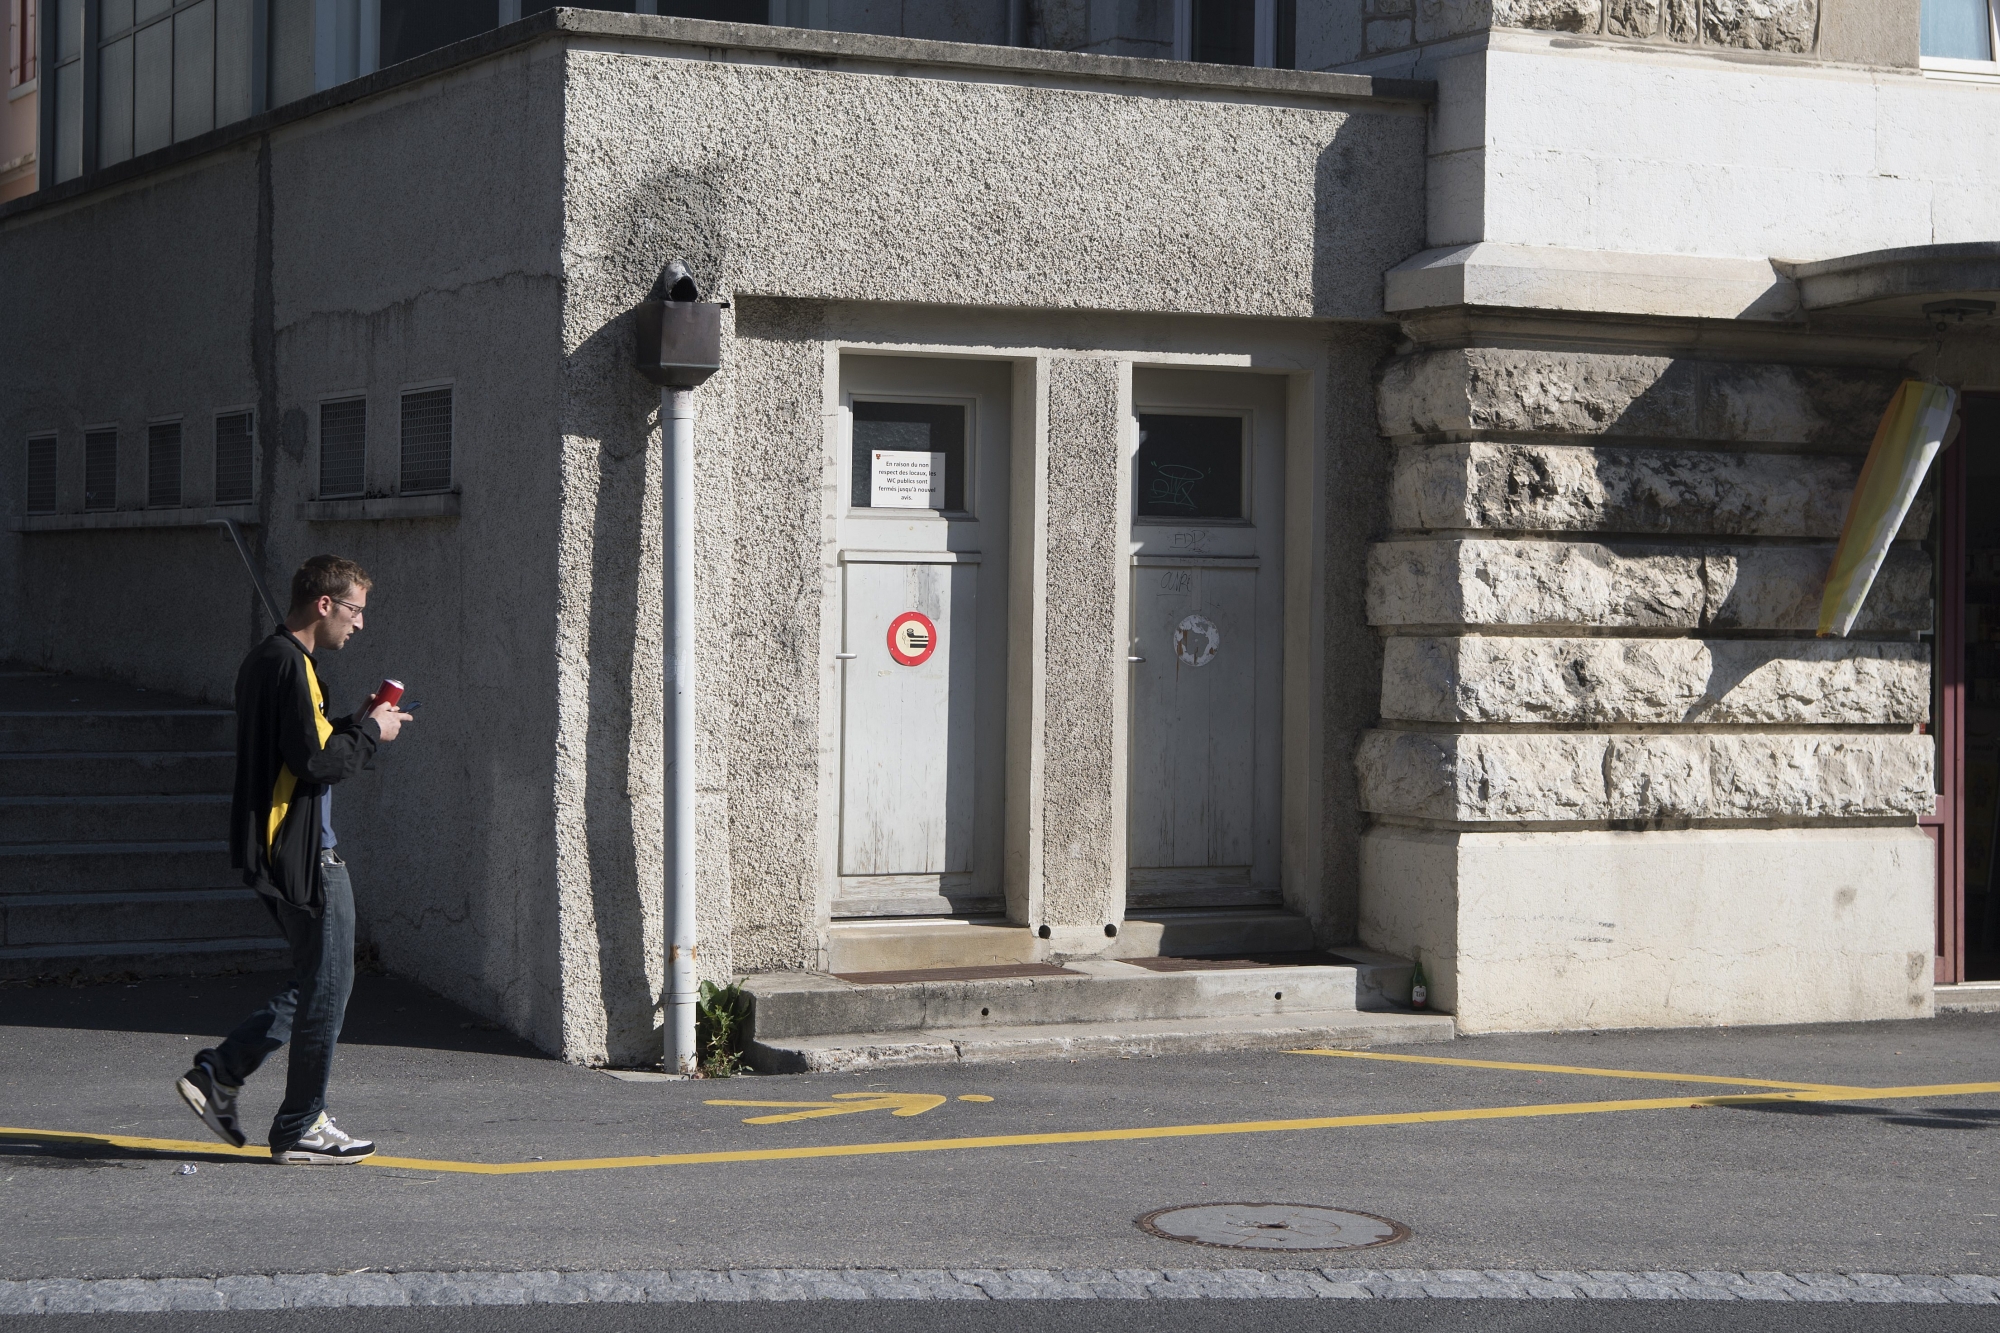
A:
(1420, 986)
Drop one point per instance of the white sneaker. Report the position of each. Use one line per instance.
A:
(323, 1142)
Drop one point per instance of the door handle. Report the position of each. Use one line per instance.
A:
(1135, 659)
(846, 656)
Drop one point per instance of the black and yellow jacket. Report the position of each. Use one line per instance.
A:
(287, 752)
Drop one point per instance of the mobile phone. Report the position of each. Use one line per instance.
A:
(412, 706)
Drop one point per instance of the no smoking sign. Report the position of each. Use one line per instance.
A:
(912, 638)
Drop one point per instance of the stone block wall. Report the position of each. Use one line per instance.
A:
(1598, 602)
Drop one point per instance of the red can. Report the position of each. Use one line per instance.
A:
(391, 691)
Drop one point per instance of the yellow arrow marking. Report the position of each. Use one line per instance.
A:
(1584, 1069)
(182, 1147)
(844, 1103)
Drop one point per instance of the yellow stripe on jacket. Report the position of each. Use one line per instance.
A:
(281, 791)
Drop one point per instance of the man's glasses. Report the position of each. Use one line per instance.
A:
(349, 605)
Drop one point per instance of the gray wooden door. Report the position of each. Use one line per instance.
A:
(1207, 588)
(923, 560)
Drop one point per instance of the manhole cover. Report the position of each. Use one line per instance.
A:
(1273, 1226)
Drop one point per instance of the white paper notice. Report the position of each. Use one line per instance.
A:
(905, 479)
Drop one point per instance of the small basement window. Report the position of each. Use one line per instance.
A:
(343, 448)
(163, 465)
(40, 491)
(100, 469)
(235, 468)
(426, 442)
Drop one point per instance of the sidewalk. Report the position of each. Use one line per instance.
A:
(1800, 1151)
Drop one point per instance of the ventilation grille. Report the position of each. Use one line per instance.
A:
(343, 448)
(100, 470)
(232, 459)
(426, 442)
(163, 465)
(41, 488)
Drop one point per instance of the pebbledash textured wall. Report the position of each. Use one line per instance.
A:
(792, 189)
(1617, 781)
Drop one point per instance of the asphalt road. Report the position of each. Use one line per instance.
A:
(1910, 1186)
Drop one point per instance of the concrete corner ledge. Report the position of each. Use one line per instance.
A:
(1539, 277)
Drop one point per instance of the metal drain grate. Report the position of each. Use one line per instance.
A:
(1272, 1226)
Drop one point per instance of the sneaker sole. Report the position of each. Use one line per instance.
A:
(199, 1105)
(299, 1157)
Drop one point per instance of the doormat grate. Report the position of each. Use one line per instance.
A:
(995, 972)
(1241, 961)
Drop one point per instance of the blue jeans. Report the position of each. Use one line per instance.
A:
(308, 1012)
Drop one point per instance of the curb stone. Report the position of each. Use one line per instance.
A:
(354, 1290)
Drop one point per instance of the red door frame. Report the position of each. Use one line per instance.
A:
(1947, 825)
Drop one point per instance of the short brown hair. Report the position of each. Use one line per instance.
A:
(327, 576)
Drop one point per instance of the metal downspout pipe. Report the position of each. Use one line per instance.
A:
(677, 416)
(679, 345)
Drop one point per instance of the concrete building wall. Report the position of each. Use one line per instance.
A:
(1057, 227)
(350, 252)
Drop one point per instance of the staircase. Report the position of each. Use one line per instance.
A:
(114, 813)
(811, 1022)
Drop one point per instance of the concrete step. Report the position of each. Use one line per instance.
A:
(1338, 1028)
(118, 818)
(1195, 931)
(144, 958)
(1969, 997)
(89, 919)
(889, 944)
(115, 867)
(104, 730)
(152, 772)
(1099, 991)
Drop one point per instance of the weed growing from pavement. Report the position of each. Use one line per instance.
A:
(721, 1028)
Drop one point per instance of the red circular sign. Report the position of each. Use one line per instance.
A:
(912, 638)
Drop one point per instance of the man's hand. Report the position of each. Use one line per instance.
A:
(390, 718)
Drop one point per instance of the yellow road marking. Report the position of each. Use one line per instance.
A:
(1584, 1069)
(180, 1146)
(844, 1103)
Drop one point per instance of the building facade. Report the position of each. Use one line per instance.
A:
(1149, 505)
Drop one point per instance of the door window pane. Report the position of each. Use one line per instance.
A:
(100, 470)
(233, 467)
(1189, 467)
(426, 442)
(909, 431)
(1956, 30)
(343, 448)
(41, 488)
(163, 465)
(69, 121)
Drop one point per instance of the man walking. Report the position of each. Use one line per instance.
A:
(289, 754)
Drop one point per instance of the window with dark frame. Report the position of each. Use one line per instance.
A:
(40, 491)
(426, 461)
(234, 470)
(1189, 467)
(100, 469)
(26, 46)
(937, 428)
(343, 448)
(163, 465)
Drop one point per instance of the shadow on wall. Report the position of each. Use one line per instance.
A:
(672, 213)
